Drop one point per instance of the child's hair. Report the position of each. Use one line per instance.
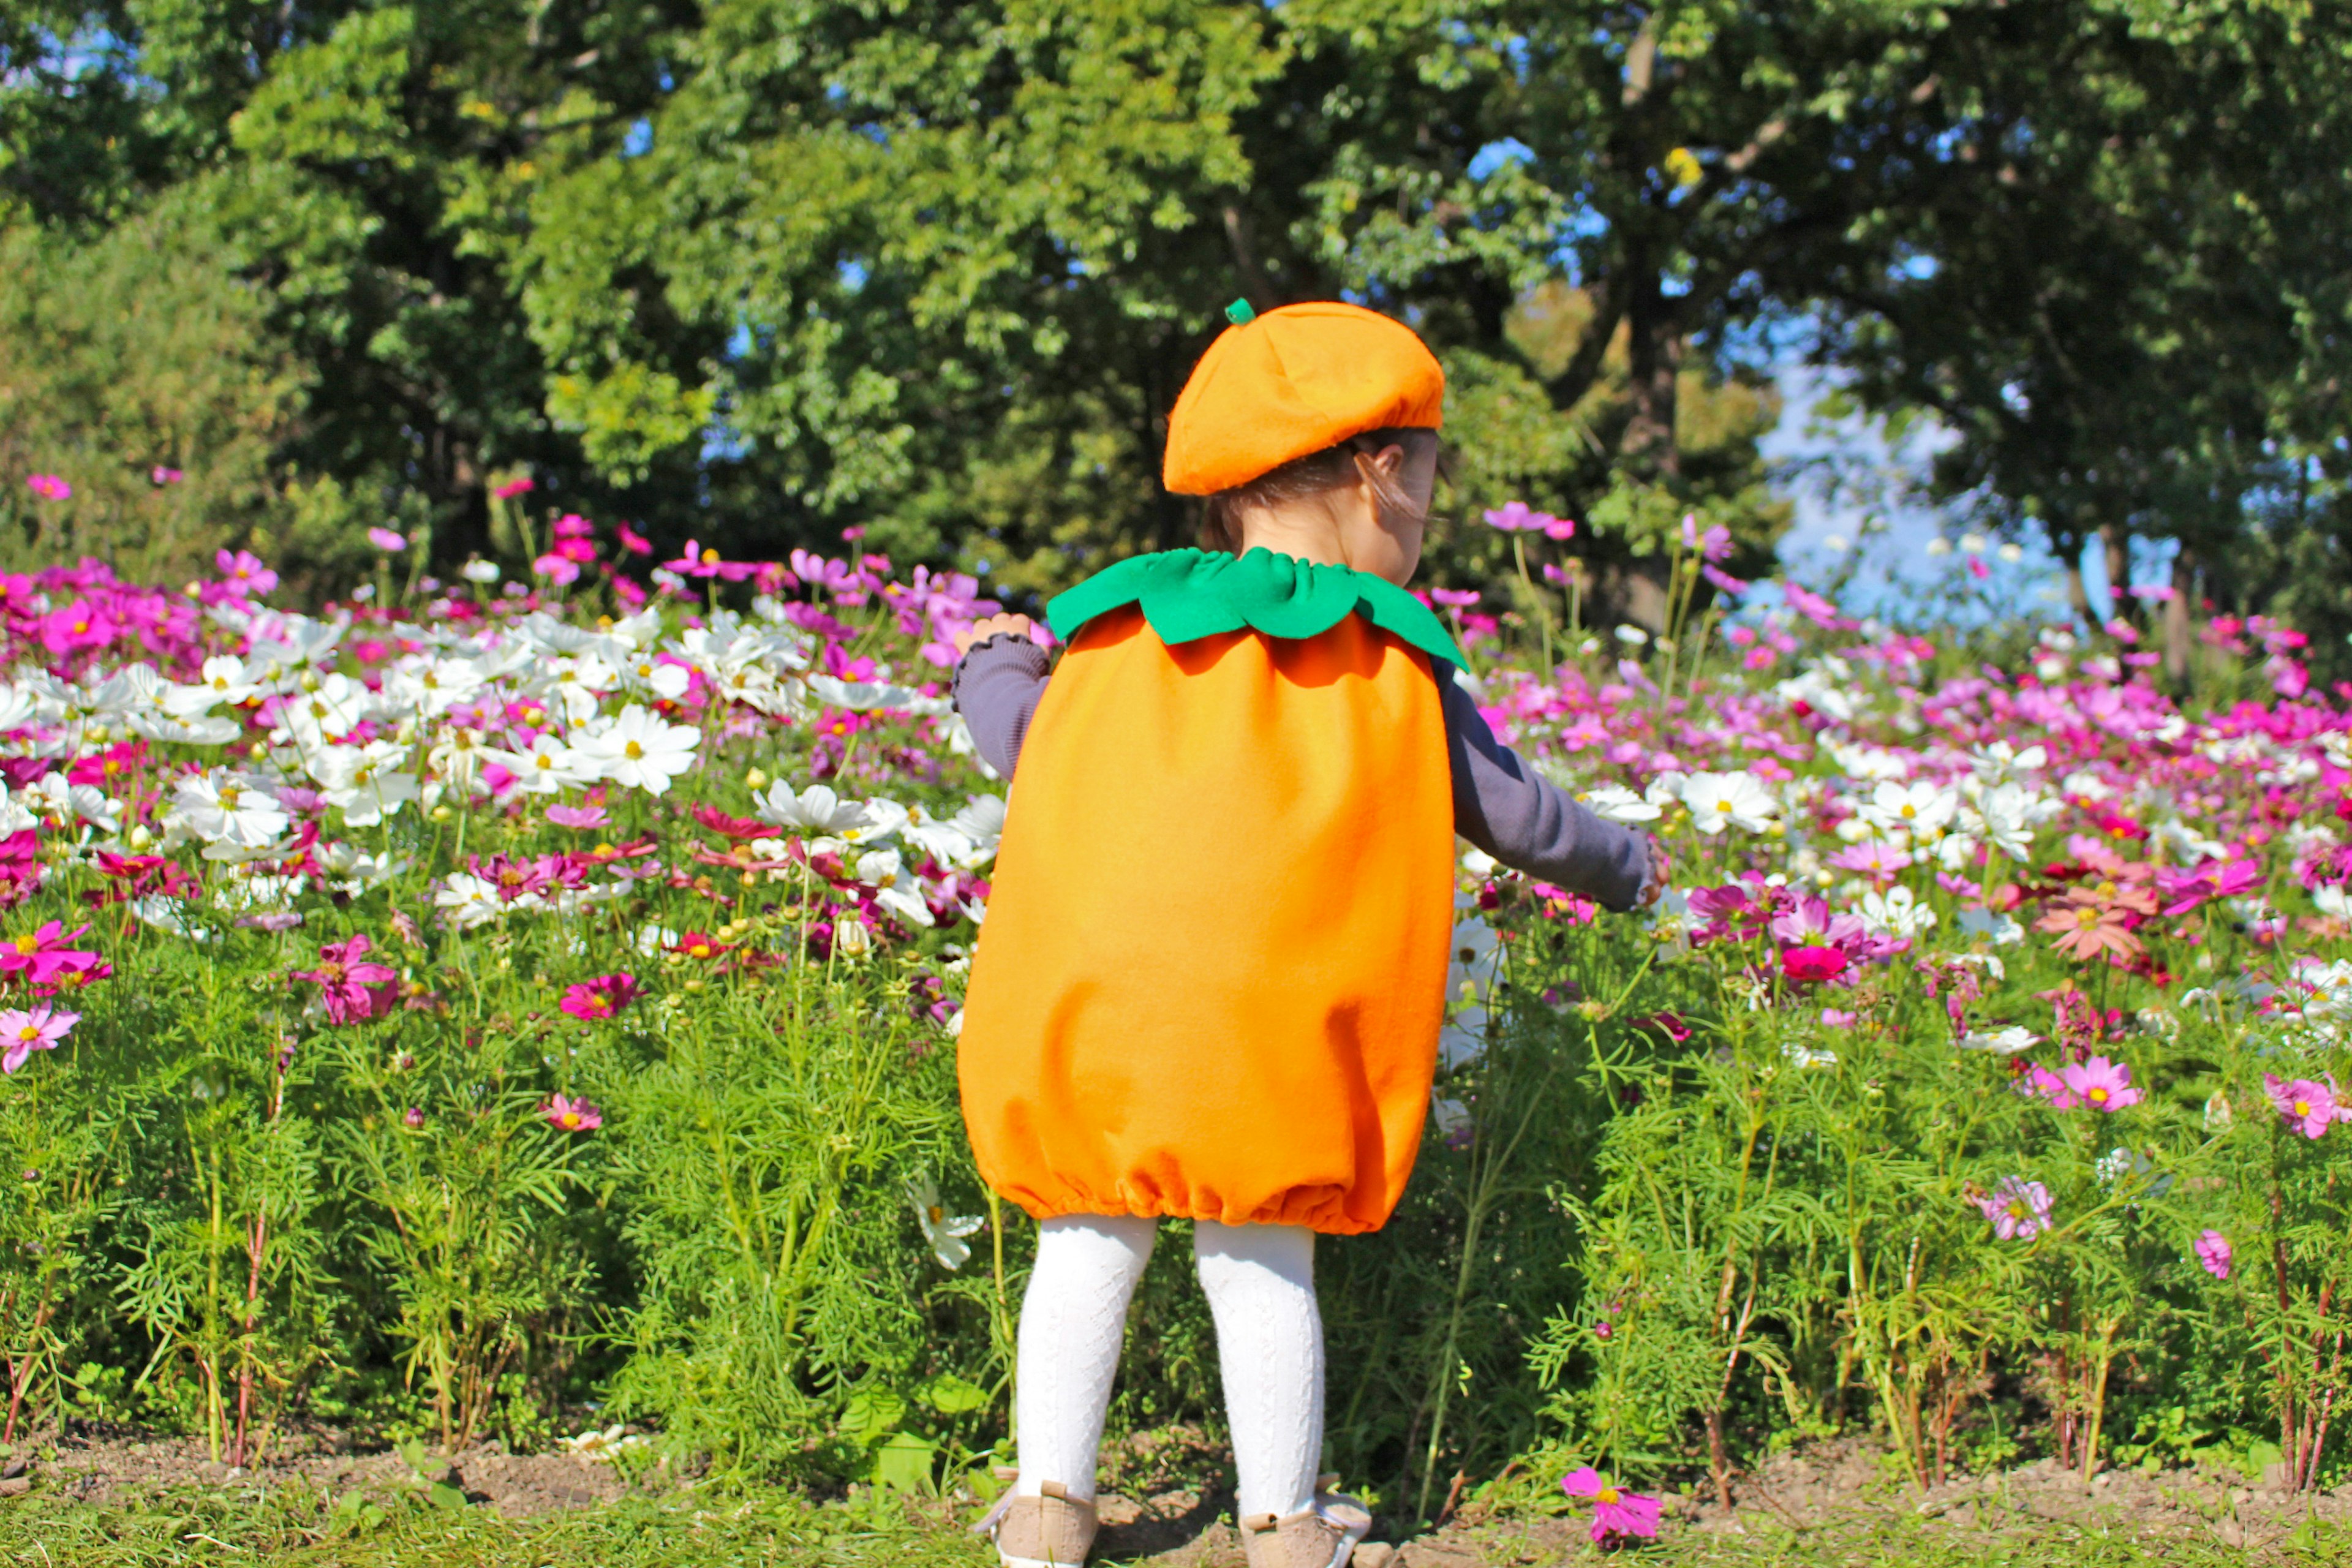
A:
(1302, 478)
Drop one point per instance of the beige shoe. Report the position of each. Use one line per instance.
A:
(1055, 1530)
(1328, 1533)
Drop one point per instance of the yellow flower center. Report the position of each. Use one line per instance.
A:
(29, 1033)
(2302, 1107)
(1724, 808)
(2087, 919)
(935, 1214)
(709, 557)
(29, 945)
(2096, 1096)
(1909, 810)
(633, 751)
(1606, 1495)
(572, 1120)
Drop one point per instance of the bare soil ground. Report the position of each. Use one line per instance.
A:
(1826, 1502)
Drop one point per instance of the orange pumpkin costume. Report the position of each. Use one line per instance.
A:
(1212, 977)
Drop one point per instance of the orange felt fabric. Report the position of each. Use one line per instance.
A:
(1292, 382)
(1212, 976)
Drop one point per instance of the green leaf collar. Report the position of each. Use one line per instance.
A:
(1187, 595)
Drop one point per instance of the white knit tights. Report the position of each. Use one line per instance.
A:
(1260, 1281)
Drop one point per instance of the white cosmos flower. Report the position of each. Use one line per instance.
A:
(1917, 808)
(1895, 912)
(965, 839)
(824, 816)
(365, 781)
(859, 696)
(353, 870)
(1615, 802)
(575, 686)
(14, 815)
(548, 768)
(944, 1233)
(2005, 818)
(2000, 761)
(66, 802)
(434, 686)
(895, 891)
(470, 901)
(1717, 801)
(223, 680)
(667, 681)
(639, 750)
(2000, 928)
(2007, 1041)
(327, 711)
(226, 806)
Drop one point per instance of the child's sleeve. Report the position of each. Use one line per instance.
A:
(996, 686)
(1506, 809)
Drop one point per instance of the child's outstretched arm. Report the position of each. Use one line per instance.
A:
(997, 683)
(1506, 809)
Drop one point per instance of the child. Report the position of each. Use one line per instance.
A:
(1211, 978)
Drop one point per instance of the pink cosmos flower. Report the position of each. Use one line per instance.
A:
(572, 1115)
(513, 489)
(577, 816)
(2101, 1084)
(697, 561)
(1877, 859)
(414, 1119)
(385, 540)
(2307, 1106)
(24, 1030)
(2019, 1209)
(49, 487)
(243, 574)
(601, 997)
(1811, 966)
(43, 958)
(2213, 1252)
(163, 476)
(1614, 1510)
(1515, 516)
(559, 570)
(354, 991)
(632, 542)
(1454, 599)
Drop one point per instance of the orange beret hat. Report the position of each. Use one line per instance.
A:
(1295, 381)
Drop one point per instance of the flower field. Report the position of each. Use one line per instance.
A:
(502, 1007)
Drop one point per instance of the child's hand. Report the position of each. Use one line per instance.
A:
(1661, 874)
(1019, 625)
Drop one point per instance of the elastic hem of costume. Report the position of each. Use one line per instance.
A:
(1328, 1225)
(1187, 595)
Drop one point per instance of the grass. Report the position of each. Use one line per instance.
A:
(296, 1527)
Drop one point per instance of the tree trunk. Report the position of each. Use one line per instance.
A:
(2120, 603)
(1655, 348)
(2177, 621)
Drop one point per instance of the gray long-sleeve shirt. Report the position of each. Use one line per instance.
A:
(1500, 804)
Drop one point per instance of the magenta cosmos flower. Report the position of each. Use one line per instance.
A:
(2100, 1084)
(24, 1030)
(352, 989)
(576, 816)
(1811, 966)
(1615, 1511)
(601, 997)
(388, 542)
(571, 1115)
(44, 956)
(2213, 1252)
(49, 487)
(2307, 1105)
(2019, 1209)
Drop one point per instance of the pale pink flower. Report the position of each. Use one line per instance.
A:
(24, 1030)
(2213, 1252)
(571, 1115)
